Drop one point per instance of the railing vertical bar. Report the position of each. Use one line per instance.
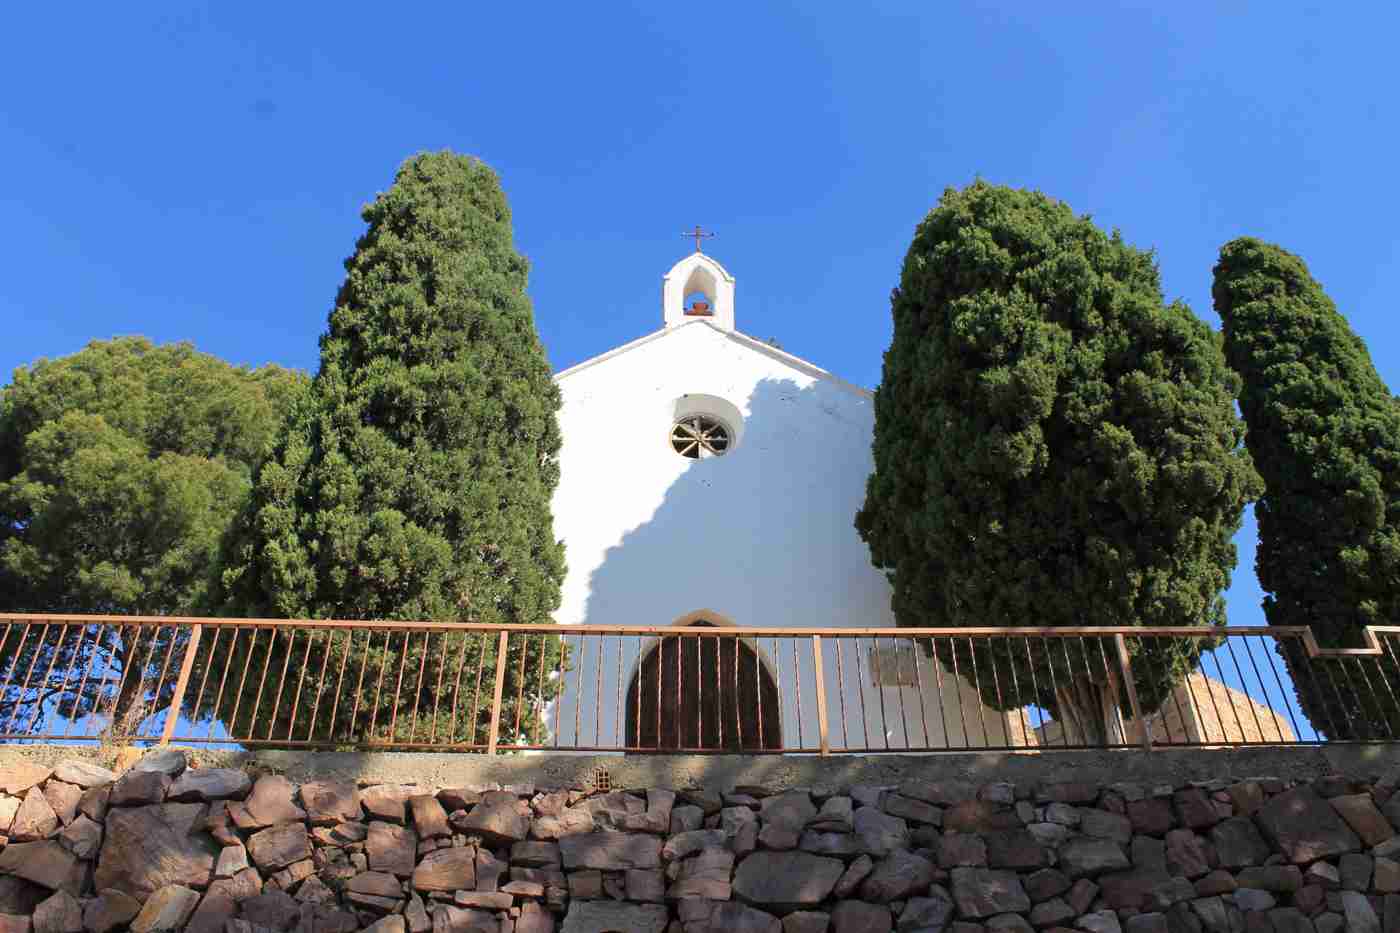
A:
(1263, 689)
(996, 683)
(758, 687)
(281, 680)
(1239, 672)
(165, 666)
(776, 650)
(660, 676)
(1388, 651)
(1035, 693)
(398, 687)
(301, 679)
(641, 669)
(48, 673)
(1175, 695)
(326, 651)
(1210, 691)
(339, 684)
(562, 676)
(1374, 694)
(824, 743)
(232, 726)
(1016, 688)
(919, 685)
(797, 674)
(476, 694)
(1117, 695)
(719, 694)
(957, 690)
(107, 672)
(14, 663)
(1125, 670)
(860, 695)
(841, 693)
(437, 690)
(359, 683)
(598, 692)
(223, 678)
(1308, 664)
(938, 673)
(1068, 714)
(182, 681)
(87, 669)
(1322, 665)
(1196, 705)
(520, 686)
(738, 707)
(1283, 694)
(618, 737)
(899, 690)
(28, 673)
(418, 690)
(501, 646)
(262, 681)
(977, 679)
(379, 685)
(578, 690)
(539, 690)
(878, 674)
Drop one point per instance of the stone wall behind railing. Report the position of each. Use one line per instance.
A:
(168, 846)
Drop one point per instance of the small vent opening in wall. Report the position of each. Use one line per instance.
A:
(600, 780)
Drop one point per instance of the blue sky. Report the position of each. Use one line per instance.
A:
(196, 172)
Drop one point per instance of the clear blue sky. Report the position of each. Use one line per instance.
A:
(197, 173)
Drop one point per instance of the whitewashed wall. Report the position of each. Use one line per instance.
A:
(762, 536)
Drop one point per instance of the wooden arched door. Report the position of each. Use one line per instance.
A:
(695, 692)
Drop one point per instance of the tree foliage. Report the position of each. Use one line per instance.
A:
(414, 483)
(1325, 433)
(1055, 445)
(121, 467)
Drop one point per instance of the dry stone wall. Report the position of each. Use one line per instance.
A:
(166, 846)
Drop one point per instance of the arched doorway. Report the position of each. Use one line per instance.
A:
(702, 693)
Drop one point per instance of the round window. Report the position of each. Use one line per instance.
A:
(699, 436)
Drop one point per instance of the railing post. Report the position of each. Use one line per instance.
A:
(172, 715)
(1125, 670)
(821, 694)
(500, 685)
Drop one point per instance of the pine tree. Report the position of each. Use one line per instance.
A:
(415, 481)
(121, 468)
(1054, 446)
(1325, 433)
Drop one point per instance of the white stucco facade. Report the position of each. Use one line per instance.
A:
(761, 536)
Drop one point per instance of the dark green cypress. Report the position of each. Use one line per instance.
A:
(1055, 445)
(1325, 433)
(415, 481)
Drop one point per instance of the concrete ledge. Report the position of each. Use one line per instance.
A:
(722, 772)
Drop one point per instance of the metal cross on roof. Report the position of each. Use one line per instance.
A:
(699, 235)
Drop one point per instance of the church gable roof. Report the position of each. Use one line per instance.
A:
(744, 340)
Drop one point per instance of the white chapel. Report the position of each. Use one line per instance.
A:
(711, 479)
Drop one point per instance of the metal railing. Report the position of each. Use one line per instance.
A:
(490, 689)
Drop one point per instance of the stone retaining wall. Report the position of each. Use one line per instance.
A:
(167, 846)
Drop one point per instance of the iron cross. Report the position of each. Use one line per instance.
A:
(699, 235)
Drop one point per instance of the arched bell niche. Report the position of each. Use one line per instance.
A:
(698, 288)
(695, 692)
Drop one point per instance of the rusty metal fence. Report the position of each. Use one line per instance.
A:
(490, 689)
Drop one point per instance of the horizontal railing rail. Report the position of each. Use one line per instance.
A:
(381, 684)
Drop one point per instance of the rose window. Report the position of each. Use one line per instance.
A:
(699, 436)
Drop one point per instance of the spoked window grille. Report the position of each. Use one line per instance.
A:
(700, 436)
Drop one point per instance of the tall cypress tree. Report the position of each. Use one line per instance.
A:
(1054, 446)
(415, 481)
(1325, 433)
